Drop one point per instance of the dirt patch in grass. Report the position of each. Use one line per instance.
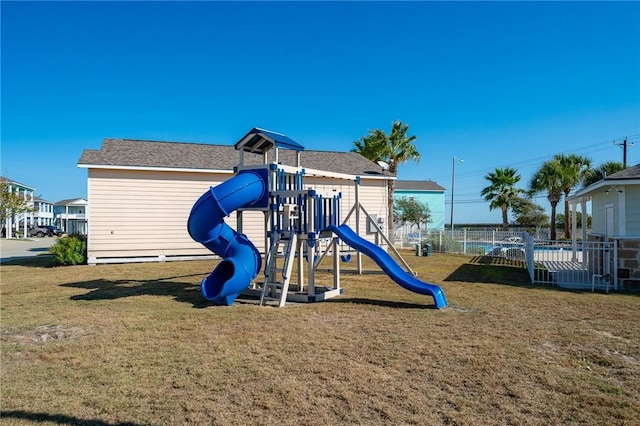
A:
(137, 344)
(40, 335)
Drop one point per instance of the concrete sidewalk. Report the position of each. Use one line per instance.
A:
(12, 249)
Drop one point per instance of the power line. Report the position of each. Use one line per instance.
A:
(588, 149)
(483, 201)
(532, 162)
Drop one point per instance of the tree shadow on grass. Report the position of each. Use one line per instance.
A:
(492, 270)
(58, 419)
(500, 270)
(181, 291)
(39, 261)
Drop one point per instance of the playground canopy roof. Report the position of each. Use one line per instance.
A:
(260, 141)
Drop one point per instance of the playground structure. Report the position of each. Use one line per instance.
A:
(296, 221)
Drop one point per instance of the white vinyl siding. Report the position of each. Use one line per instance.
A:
(373, 196)
(252, 226)
(632, 206)
(631, 214)
(142, 213)
(599, 200)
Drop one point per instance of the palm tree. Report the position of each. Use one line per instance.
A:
(548, 179)
(502, 192)
(371, 146)
(602, 171)
(574, 170)
(395, 149)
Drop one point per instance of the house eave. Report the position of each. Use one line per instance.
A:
(325, 173)
(308, 172)
(18, 184)
(72, 202)
(422, 191)
(155, 169)
(585, 193)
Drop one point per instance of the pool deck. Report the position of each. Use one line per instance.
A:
(574, 276)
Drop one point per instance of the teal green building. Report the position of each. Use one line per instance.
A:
(428, 192)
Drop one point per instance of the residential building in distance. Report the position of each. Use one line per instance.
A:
(42, 213)
(426, 192)
(15, 223)
(71, 215)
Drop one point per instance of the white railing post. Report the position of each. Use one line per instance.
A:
(528, 253)
(615, 265)
(464, 241)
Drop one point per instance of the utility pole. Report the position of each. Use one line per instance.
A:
(453, 187)
(624, 145)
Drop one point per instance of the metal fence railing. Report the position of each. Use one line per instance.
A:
(587, 265)
(407, 236)
(471, 242)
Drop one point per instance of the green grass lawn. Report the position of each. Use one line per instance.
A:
(137, 344)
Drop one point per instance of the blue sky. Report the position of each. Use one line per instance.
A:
(494, 83)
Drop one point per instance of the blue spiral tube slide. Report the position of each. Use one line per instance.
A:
(241, 259)
(388, 265)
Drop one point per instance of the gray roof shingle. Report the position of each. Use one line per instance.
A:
(418, 185)
(632, 172)
(180, 155)
(71, 201)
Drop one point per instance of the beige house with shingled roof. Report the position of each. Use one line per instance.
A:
(140, 194)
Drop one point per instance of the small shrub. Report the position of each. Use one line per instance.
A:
(70, 250)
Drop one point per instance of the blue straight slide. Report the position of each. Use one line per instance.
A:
(241, 259)
(389, 265)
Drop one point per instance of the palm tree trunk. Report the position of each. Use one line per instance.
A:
(552, 235)
(505, 219)
(567, 218)
(391, 187)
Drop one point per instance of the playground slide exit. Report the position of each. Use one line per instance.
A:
(389, 265)
(241, 259)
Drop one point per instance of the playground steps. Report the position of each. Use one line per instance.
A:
(276, 284)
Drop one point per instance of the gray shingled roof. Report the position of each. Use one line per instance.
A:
(70, 201)
(417, 185)
(632, 172)
(41, 200)
(179, 155)
(628, 176)
(9, 181)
